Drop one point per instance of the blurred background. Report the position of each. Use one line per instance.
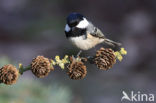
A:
(35, 27)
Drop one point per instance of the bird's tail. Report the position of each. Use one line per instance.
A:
(112, 43)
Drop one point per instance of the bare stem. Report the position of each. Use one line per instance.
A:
(91, 59)
(23, 69)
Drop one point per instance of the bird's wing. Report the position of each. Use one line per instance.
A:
(94, 31)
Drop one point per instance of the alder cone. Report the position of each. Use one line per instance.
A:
(76, 69)
(8, 74)
(105, 58)
(41, 66)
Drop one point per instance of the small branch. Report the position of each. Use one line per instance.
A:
(23, 69)
(91, 59)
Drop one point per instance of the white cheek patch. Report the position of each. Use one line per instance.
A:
(67, 28)
(83, 24)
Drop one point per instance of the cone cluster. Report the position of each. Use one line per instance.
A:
(41, 66)
(76, 69)
(105, 58)
(8, 74)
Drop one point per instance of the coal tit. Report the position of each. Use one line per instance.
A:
(83, 34)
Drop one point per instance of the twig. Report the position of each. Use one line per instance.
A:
(23, 69)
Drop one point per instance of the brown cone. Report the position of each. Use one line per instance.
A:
(105, 58)
(8, 74)
(41, 66)
(76, 69)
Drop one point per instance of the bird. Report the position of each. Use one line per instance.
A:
(83, 34)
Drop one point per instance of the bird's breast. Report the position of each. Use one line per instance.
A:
(85, 43)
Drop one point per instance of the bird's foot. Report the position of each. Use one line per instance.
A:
(78, 54)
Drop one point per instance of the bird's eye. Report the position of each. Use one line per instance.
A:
(73, 23)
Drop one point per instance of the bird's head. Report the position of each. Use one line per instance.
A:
(77, 20)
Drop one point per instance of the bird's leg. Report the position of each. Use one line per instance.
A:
(94, 49)
(78, 54)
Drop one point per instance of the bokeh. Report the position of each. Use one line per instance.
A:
(36, 27)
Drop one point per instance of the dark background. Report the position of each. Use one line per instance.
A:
(35, 27)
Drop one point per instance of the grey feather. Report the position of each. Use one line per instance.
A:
(94, 31)
(91, 29)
